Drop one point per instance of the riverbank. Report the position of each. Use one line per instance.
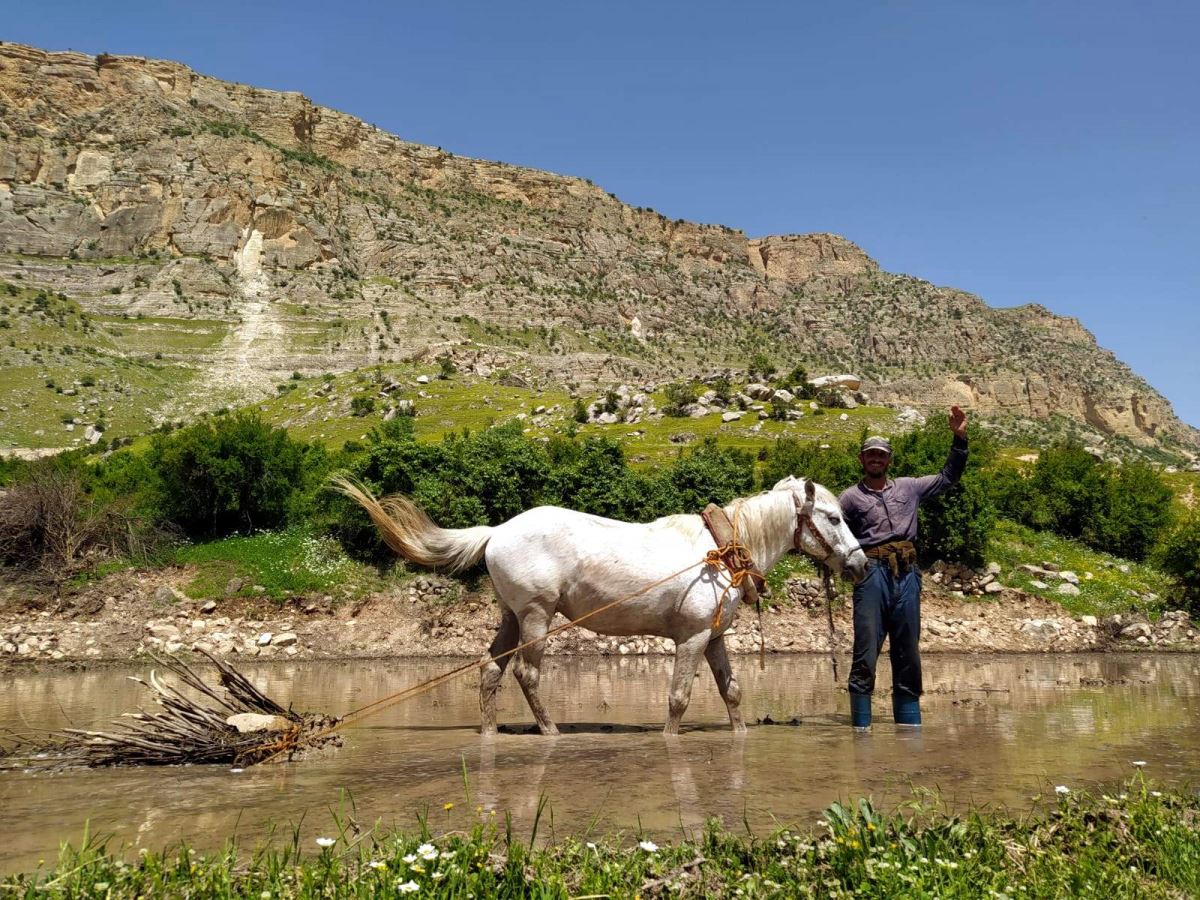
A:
(130, 613)
(1136, 840)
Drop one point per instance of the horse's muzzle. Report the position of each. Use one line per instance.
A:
(856, 566)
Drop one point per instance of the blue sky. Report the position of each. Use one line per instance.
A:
(1025, 151)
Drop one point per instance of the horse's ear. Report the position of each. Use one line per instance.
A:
(810, 490)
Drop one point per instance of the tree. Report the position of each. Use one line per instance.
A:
(236, 473)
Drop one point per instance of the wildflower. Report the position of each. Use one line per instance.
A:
(437, 876)
(410, 859)
(265, 895)
(648, 846)
(1139, 763)
(447, 806)
(1062, 789)
(1156, 793)
(101, 885)
(326, 842)
(408, 887)
(427, 852)
(377, 864)
(822, 823)
(445, 854)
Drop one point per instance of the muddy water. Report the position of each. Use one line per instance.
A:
(998, 729)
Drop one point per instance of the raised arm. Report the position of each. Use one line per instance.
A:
(932, 485)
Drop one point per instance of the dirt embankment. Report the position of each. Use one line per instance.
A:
(128, 614)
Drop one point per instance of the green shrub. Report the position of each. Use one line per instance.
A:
(1179, 556)
(235, 473)
(1120, 509)
(678, 395)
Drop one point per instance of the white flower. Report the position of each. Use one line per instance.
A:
(1062, 789)
(265, 895)
(427, 852)
(409, 887)
(1139, 763)
(1156, 793)
(377, 864)
(648, 846)
(326, 842)
(437, 876)
(410, 858)
(591, 846)
(446, 854)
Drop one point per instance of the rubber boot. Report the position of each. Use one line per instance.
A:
(860, 711)
(906, 710)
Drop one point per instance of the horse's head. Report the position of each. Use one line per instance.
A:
(821, 532)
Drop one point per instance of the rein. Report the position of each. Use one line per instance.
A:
(804, 519)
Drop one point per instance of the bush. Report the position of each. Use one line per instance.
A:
(236, 473)
(679, 394)
(50, 525)
(362, 406)
(1179, 557)
(1122, 510)
(955, 525)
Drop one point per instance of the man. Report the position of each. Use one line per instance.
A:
(882, 513)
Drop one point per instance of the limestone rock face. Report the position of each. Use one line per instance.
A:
(303, 238)
(798, 257)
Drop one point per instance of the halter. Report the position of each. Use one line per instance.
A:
(804, 519)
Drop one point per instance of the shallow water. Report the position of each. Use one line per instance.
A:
(999, 729)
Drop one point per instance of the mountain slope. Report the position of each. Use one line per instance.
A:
(301, 238)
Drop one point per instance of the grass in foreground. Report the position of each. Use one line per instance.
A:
(1141, 843)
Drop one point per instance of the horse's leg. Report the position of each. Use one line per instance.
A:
(731, 692)
(528, 669)
(493, 671)
(687, 659)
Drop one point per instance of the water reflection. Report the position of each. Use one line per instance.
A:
(999, 729)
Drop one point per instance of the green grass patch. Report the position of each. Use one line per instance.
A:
(1109, 590)
(1139, 842)
(283, 563)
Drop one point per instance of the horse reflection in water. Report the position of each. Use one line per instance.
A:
(689, 770)
(551, 560)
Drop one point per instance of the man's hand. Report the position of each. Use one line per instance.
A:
(958, 422)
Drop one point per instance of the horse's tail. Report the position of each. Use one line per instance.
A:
(407, 529)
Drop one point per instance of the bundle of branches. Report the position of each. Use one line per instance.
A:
(234, 724)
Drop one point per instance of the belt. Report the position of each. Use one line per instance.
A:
(900, 556)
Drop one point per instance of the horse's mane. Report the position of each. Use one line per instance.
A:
(762, 519)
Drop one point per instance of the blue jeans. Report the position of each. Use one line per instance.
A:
(887, 607)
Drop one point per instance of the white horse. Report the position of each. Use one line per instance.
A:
(551, 560)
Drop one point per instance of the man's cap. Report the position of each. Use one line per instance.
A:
(875, 442)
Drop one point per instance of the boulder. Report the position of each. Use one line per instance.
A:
(730, 416)
(1069, 576)
(285, 639)
(849, 382)
(1068, 590)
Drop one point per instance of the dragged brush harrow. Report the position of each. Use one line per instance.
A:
(230, 723)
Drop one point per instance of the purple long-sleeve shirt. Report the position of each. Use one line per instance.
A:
(876, 517)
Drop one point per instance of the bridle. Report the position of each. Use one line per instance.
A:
(804, 520)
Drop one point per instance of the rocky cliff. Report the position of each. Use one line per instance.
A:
(301, 238)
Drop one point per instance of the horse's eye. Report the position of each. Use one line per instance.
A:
(836, 520)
